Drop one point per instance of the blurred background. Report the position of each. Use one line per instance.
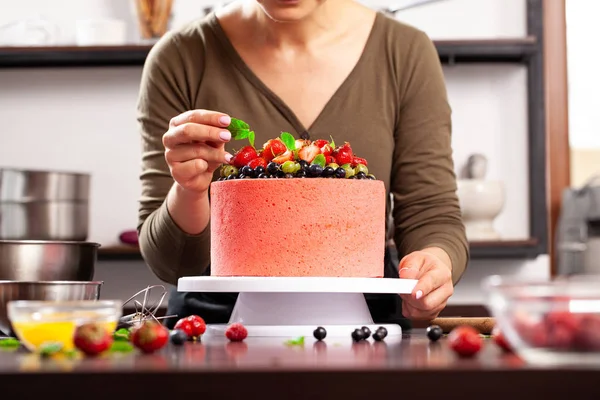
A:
(70, 73)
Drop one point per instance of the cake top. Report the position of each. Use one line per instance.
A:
(288, 157)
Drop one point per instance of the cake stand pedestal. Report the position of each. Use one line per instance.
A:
(287, 307)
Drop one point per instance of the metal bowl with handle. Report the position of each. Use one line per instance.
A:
(36, 260)
(55, 291)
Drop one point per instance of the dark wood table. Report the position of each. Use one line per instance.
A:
(270, 369)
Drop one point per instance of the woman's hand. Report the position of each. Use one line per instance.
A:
(432, 268)
(195, 148)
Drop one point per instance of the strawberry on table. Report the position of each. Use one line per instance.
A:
(92, 339)
(193, 326)
(244, 156)
(465, 341)
(150, 336)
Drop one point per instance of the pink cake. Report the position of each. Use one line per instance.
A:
(297, 227)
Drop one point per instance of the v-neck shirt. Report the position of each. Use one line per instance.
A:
(392, 108)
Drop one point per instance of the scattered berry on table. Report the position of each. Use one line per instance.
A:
(434, 333)
(236, 332)
(465, 341)
(366, 331)
(149, 336)
(500, 339)
(92, 339)
(358, 335)
(320, 333)
(380, 334)
(178, 337)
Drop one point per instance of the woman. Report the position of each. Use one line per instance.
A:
(313, 68)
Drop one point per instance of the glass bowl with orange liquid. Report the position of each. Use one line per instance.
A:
(38, 323)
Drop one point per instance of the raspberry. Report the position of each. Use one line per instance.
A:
(236, 332)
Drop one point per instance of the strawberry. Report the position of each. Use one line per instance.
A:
(149, 336)
(326, 150)
(92, 339)
(587, 337)
(258, 162)
(500, 339)
(329, 160)
(309, 153)
(273, 148)
(320, 143)
(561, 327)
(344, 155)
(236, 332)
(287, 156)
(465, 341)
(243, 156)
(300, 143)
(193, 326)
(358, 160)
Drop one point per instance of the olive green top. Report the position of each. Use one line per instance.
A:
(392, 108)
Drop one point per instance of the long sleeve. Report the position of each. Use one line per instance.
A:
(423, 183)
(164, 93)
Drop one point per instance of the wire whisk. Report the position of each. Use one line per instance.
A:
(144, 311)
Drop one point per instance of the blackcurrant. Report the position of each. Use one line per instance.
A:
(272, 168)
(358, 335)
(178, 337)
(320, 333)
(434, 333)
(340, 172)
(328, 171)
(366, 331)
(315, 170)
(247, 171)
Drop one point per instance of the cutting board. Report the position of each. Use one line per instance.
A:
(484, 325)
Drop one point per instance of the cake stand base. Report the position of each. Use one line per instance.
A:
(292, 307)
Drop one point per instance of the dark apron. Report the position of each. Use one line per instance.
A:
(216, 308)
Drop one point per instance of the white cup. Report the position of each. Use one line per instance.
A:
(100, 32)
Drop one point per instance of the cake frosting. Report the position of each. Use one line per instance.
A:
(297, 227)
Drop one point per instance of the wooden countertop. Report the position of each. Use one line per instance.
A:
(270, 369)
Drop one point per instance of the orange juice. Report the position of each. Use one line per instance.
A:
(35, 333)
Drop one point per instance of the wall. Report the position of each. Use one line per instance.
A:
(83, 120)
(584, 85)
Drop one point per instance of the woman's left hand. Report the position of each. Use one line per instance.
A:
(432, 268)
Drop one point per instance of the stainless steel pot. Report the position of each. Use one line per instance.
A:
(44, 205)
(23, 186)
(54, 291)
(30, 260)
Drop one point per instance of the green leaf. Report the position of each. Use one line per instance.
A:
(289, 141)
(9, 343)
(50, 348)
(237, 125)
(296, 342)
(320, 160)
(251, 138)
(121, 347)
(121, 335)
(332, 143)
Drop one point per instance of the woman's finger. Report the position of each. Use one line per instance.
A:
(411, 312)
(433, 277)
(434, 299)
(191, 132)
(187, 171)
(203, 117)
(187, 152)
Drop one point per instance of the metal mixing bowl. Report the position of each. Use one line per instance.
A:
(54, 291)
(34, 260)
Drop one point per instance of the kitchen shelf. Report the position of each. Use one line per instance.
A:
(503, 249)
(451, 51)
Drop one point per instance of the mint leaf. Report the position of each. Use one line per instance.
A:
(332, 143)
(296, 342)
(121, 335)
(237, 125)
(288, 140)
(251, 138)
(320, 160)
(121, 347)
(50, 348)
(9, 343)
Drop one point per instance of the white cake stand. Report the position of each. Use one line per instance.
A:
(290, 307)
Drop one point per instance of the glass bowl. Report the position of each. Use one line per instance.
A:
(38, 323)
(548, 322)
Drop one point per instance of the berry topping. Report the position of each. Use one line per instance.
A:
(288, 157)
(320, 333)
(236, 332)
(244, 156)
(434, 333)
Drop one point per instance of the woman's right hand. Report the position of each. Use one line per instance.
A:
(195, 148)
